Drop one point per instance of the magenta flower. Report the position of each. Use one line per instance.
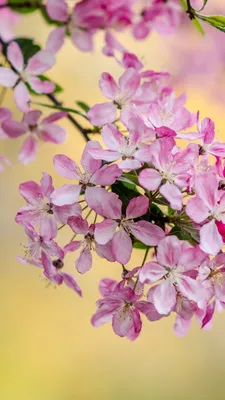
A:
(87, 244)
(176, 263)
(37, 65)
(40, 210)
(45, 130)
(172, 170)
(105, 231)
(93, 174)
(129, 149)
(119, 305)
(43, 241)
(207, 207)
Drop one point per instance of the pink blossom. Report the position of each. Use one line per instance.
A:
(8, 20)
(52, 270)
(43, 241)
(119, 305)
(143, 230)
(37, 65)
(87, 244)
(172, 171)
(45, 130)
(206, 129)
(176, 263)
(207, 207)
(129, 149)
(93, 174)
(40, 210)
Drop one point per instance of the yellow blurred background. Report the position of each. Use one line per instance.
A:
(49, 350)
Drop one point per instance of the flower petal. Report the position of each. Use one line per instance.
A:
(66, 167)
(8, 78)
(150, 179)
(40, 62)
(137, 207)
(122, 246)
(164, 297)
(66, 194)
(211, 241)
(105, 230)
(22, 97)
(15, 56)
(147, 233)
(84, 261)
(100, 114)
(29, 150)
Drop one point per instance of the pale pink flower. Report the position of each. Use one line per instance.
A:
(44, 130)
(93, 174)
(87, 244)
(143, 230)
(37, 65)
(8, 20)
(176, 263)
(207, 207)
(206, 129)
(42, 241)
(39, 209)
(129, 149)
(172, 171)
(119, 305)
(52, 270)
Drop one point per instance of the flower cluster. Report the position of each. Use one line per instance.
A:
(143, 189)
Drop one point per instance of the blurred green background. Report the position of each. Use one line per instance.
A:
(49, 350)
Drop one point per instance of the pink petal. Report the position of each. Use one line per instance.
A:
(164, 297)
(149, 310)
(206, 188)
(112, 137)
(64, 212)
(129, 82)
(14, 129)
(84, 261)
(99, 114)
(108, 86)
(137, 206)
(66, 194)
(66, 167)
(173, 195)
(72, 246)
(130, 164)
(105, 230)
(82, 40)
(53, 133)
(197, 210)
(122, 321)
(105, 251)
(48, 227)
(46, 184)
(101, 317)
(217, 149)
(207, 130)
(32, 117)
(137, 325)
(151, 272)
(56, 40)
(106, 286)
(190, 288)
(15, 56)
(40, 62)
(8, 78)
(209, 314)
(107, 155)
(54, 117)
(106, 204)
(211, 241)
(71, 282)
(181, 326)
(150, 179)
(40, 86)
(107, 175)
(57, 10)
(22, 97)
(90, 164)
(78, 225)
(28, 151)
(122, 246)
(31, 192)
(169, 251)
(147, 233)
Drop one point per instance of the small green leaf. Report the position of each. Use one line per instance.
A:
(60, 108)
(217, 21)
(140, 246)
(58, 88)
(186, 232)
(24, 7)
(85, 107)
(198, 26)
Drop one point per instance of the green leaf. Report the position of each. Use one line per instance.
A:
(186, 232)
(217, 21)
(204, 4)
(85, 107)
(60, 108)
(125, 193)
(30, 7)
(198, 26)
(140, 245)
